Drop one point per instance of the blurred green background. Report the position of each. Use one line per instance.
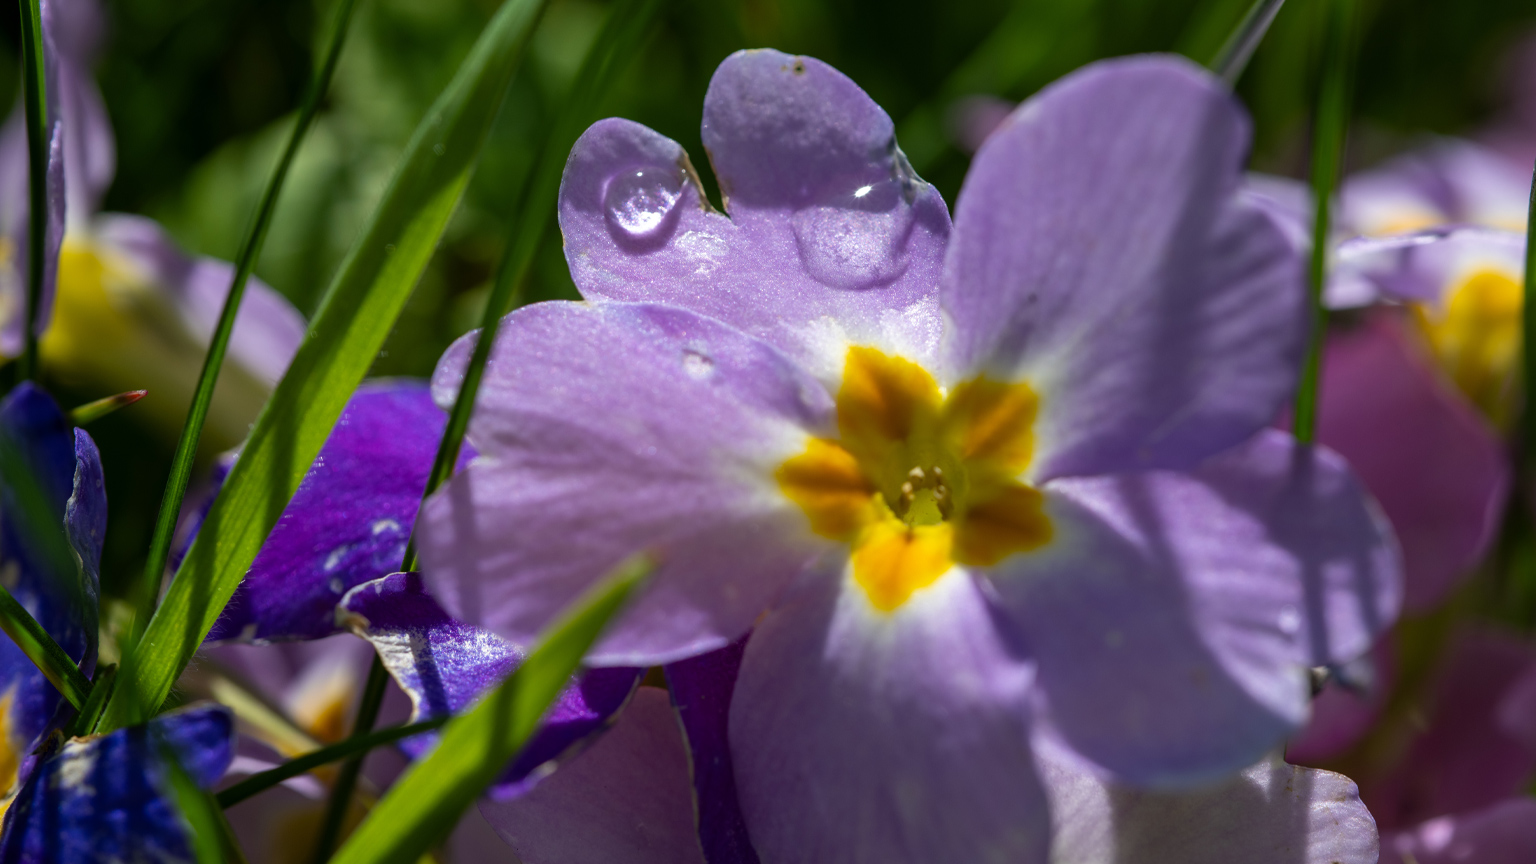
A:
(200, 93)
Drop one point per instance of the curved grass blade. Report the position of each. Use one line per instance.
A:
(257, 783)
(355, 316)
(202, 398)
(427, 800)
(1235, 53)
(34, 85)
(615, 44)
(1330, 128)
(35, 642)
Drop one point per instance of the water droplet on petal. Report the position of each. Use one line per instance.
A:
(697, 364)
(638, 202)
(857, 240)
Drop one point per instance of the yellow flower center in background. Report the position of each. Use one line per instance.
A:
(11, 752)
(1476, 338)
(919, 480)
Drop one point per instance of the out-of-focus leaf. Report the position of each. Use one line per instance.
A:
(352, 322)
(427, 801)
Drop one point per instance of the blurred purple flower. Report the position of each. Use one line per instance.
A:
(956, 483)
(1416, 396)
(1445, 771)
(131, 309)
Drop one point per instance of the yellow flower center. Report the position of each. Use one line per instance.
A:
(1475, 337)
(919, 480)
(11, 752)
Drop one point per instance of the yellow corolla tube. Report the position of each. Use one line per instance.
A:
(918, 479)
(132, 311)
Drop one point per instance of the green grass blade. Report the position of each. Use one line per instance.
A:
(1235, 53)
(40, 648)
(355, 316)
(1528, 337)
(616, 44)
(202, 398)
(427, 800)
(35, 101)
(360, 744)
(1330, 127)
(210, 836)
(90, 712)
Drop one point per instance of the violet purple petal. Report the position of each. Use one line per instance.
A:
(701, 690)
(606, 430)
(1173, 616)
(1271, 813)
(268, 330)
(444, 666)
(861, 736)
(831, 236)
(1437, 468)
(109, 798)
(626, 799)
(55, 566)
(349, 521)
(1103, 252)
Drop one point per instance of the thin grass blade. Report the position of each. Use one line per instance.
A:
(356, 314)
(621, 35)
(1528, 337)
(40, 648)
(360, 744)
(615, 44)
(1329, 131)
(34, 85)
(202, 398)
(427, 800)
(1235, 53)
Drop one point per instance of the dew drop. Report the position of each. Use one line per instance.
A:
(857, 239)
(697, 364)
(638, 202)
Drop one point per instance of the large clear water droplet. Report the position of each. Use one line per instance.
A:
(856, 240)
(638, 202)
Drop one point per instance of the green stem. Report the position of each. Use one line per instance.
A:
(1330, 127)
(202, 400)
(1528, 337)
(346, 779)
(1235, 53)
(34, 96)
(40, 648)
(257, 783)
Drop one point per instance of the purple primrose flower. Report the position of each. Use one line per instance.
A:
(965, 485)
